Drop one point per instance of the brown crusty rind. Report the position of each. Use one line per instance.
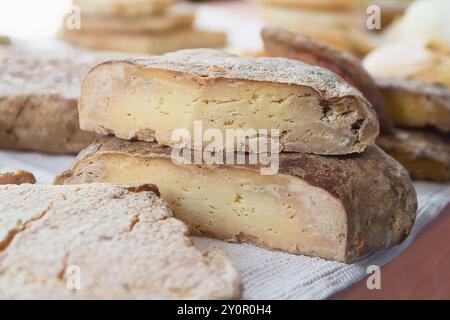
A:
(44, 123)
(121, 241)
(415, 104)
(375, 190)
(283, 43)
(424, 153)
(15, 176)
(38, 100)
(209, 67)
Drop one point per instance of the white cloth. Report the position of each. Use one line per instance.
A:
(267, 274)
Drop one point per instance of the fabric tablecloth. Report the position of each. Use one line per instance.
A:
(267, 274)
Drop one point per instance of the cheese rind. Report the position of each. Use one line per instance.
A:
(147, 99)
(338, 208)
(38, 100)
(101, 241)
(425, 154)
(340, 29)
(282, 43)
(15, 176)
(415, 104)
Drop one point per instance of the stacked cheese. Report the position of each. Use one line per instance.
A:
(335, 194)
(413, 73)
(136, 26)
(425, 66)
(340, 23)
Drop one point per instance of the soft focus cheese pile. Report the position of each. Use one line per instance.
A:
(428, 19)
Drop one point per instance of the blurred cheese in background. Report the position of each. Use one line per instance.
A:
(323, 4)
(4, 40)
(340, 24)
(125, 8)
(412, 68)
(421, 59)
(424, 18)
(138, 26)
(416, 47)
(176, 17)
(390, 9)
(38, 99)
(414, 79)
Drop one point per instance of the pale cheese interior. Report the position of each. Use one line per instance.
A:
(235, 204)
(134, 103)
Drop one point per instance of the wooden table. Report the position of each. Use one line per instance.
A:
(421, 272)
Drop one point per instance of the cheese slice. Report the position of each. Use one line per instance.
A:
(338, 208)
(101, 241)
(314, 110)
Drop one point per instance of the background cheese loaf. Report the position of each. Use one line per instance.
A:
(142, 43)
(425, 153)
(338, 208)
(317, 4)
(145, 27)
(38, 100)
(415, 104)
(4, 40)
(175, 17)
(123, 7)
(122, 242)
